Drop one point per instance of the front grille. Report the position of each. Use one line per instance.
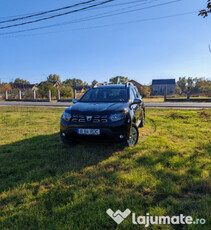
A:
(89, 118)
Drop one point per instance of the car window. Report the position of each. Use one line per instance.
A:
(132, 95)
(135, 93)
(106, 95)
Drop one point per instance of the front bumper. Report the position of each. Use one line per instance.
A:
(118, 131)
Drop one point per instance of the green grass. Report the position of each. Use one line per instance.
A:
(46, 185)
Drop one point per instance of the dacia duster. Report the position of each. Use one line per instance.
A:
(114, 111)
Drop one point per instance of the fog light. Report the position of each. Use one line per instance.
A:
(63, 134)
(121, 136)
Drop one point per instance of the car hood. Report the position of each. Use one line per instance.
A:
(81, 107)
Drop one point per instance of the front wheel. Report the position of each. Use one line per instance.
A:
(133, 137)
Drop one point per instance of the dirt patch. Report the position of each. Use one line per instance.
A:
(205, 114)
(177, 116)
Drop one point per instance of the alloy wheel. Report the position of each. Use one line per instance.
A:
(133, 136)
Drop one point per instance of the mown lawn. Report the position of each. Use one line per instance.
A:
(46, 185)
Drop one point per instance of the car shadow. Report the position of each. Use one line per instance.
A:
(44, 156)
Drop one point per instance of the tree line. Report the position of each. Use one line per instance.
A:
(183, 85)
(65, 87)
(193, 85)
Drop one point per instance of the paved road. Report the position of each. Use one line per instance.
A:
(66, 104)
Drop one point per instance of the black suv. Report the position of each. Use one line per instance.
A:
(114, 111)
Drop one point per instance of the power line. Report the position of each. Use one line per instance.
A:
(21, 15)
(57, 15)
(135, 10)
(115, 24)
(47, 12)
(108, 14)
(123, 3)
(98, 16)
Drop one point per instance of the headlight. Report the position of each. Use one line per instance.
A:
(117, 116)
(66, 116)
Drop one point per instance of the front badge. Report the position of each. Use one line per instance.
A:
(88, 118)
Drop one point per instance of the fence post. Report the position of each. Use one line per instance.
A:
(6, 95)
(74, 93)
(19, 95)
(34, 94)
(58, 95)
(188, 94)
(49, 96)
(165, 94)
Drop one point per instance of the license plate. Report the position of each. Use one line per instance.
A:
(95, 132)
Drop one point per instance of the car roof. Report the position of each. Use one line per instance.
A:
(114, 86)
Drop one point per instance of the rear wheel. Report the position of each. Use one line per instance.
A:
(133, 137)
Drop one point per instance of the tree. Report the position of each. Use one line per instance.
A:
(19, 81)
(182, 84)
(178, 90)
(202, 86)
(94, 83)
(85, 83)
(204, 13)
(118, 80)
(45, 87)
(4, 87)
(190, 84)
(53, 77)
(66, 91)
(145, 91)
(194, 86)
(73, 82)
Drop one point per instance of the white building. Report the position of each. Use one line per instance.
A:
(159, 86)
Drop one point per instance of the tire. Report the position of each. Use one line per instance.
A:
(133, 137)
(142, 120)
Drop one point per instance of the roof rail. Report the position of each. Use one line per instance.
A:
(99, 84)
(128, 83)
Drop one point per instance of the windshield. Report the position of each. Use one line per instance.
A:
(105, 95)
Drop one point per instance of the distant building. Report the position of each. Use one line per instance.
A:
(56, 84)
(23, 87)
(79, 91)
(82, 89)
(158, 86)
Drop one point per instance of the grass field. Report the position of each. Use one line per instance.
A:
(153, 99)
(161, 99)
(46, 185)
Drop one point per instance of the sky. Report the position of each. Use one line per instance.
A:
(158, 39)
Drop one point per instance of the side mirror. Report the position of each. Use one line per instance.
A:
(136, 101)
(75, 100)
